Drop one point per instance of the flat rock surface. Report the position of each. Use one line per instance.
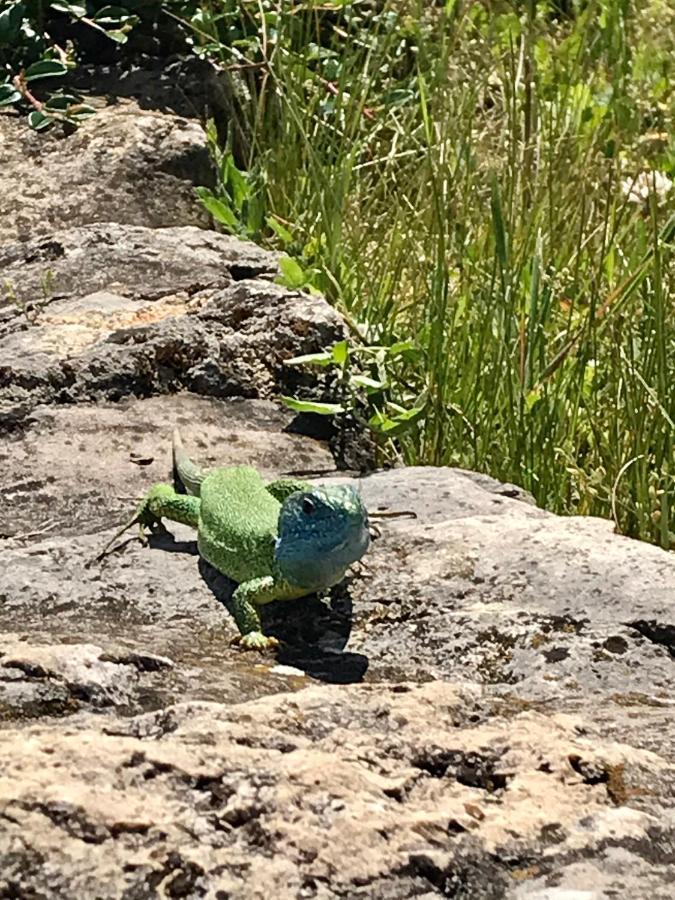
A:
(51, 476)
(130, 262)
(482, 586)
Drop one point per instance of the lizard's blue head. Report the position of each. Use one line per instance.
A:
(322, 531)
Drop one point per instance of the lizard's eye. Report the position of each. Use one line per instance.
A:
(308, 506)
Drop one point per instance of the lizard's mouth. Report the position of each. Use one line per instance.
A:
(354, 545)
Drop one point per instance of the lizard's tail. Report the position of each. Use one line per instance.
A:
(190, 475)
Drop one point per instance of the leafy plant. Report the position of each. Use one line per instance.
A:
(238, 201)
(28, 55)
(365, 375)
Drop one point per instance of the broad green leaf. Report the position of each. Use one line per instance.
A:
(292, 272)
(8, 94)
(341, 352)
(282, 233)
(39, 121)
(220, 211)
(310, 406)
(46, 68)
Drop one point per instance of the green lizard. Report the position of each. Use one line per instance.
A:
(280, 541)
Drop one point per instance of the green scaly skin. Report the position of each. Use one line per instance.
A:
(279, 541)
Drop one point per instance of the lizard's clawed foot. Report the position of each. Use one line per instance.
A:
(255, 640)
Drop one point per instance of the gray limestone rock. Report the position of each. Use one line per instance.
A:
(151, 312)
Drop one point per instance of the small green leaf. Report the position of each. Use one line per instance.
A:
(81, 112)
(341, 353)
(282, 233)
(236, 182)
(120, 37)
(39, 121)
(311, 359)
(11, 20)
(393, 425)
(370, 384)
(310, 406)
(60, 103)
(69, 107)
(46, 68)
(72, 9)
(400, 347)
(532, 397)
(292, 272)
(8, 95)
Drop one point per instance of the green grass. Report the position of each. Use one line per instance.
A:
(451, 174)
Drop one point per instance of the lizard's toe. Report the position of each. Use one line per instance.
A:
(255, 640)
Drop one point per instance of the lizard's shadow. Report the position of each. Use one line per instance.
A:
(313, 633)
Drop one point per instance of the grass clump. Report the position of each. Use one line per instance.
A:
(489, 181)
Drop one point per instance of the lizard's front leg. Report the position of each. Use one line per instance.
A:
(245, 600)
(162, 502)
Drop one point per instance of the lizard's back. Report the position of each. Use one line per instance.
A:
(238, 523)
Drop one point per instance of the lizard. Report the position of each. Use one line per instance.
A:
(280, 540)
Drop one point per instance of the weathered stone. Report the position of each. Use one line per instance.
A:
(140, 328)
(543, 607)
(377, 792)
(487, 587)
(62, 277)
(59, 679)
(125, 164)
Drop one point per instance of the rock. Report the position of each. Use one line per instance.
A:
(126, 165)
(494, 589)
(60, 679)
(133, 266)
(377, 792)
(490, 589)
(152, 312)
